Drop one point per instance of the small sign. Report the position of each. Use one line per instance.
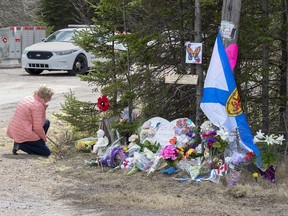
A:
(193, 53)
(228, 30)
(182, 79)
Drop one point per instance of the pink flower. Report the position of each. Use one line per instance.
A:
(169, 152)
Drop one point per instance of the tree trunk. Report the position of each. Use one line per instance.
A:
(199, 67)
(283, 66)
(265, 72)
(285, 4)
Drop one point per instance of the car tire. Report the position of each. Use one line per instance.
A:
(80, 66)
(33, 71)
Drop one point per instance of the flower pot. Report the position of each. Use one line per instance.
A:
(233, 177)
(269, 173)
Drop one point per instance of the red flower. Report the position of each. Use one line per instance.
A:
(249, 155)
(103, 103)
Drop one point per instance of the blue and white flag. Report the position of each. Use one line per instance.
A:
(221, 101)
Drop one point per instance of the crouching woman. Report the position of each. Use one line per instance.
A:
(29, 125)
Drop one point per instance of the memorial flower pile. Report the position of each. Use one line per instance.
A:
(173, 143)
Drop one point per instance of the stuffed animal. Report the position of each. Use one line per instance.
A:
(216, 162)
(207, 160)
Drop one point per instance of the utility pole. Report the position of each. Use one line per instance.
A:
(231, 13)
(231, 17)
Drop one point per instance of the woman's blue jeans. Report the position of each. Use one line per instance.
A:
(38, 147)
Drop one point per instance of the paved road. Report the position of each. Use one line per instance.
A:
(16, 83)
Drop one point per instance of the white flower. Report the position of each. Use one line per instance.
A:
(280, 139)
(133, 138)
(256, 140)
(260, 135)
(223, 134)
(270, 140)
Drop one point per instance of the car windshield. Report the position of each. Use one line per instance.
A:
(61, 36)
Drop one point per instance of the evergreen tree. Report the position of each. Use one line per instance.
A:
(255, 33)
(59, 14)
(156, 46)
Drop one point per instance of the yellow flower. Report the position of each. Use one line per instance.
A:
(125, 148)
(190, 151)
(255, 175)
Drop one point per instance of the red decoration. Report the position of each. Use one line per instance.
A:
(249, 155)
(173, 140)
(103, 103)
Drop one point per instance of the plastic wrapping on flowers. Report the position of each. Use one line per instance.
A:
(216, 155)
(86, 144)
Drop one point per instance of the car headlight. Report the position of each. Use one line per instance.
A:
(65, 52)
(25, 51)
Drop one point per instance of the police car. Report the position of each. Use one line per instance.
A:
(57, 52)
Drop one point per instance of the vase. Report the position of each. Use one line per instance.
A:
(269, 173)
(233, 177)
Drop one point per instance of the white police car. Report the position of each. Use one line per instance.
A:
(57, 53)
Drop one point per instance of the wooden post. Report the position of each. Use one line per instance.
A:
(231, 12)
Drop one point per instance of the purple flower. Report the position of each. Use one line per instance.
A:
(190, 134)
(208, 134)
(211, 140)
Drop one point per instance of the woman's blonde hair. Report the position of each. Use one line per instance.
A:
(44, 92)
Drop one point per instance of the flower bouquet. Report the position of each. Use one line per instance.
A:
(86, 144)
(269, 155)
(236, 161)
(215, 140)
(113, 158)
(171, 154)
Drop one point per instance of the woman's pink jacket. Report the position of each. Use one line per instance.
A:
(28, 120)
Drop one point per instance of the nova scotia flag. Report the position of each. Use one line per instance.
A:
(221, 101)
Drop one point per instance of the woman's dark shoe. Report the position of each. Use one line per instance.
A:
(15, 148)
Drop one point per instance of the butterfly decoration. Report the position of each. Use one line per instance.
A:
(193, 54)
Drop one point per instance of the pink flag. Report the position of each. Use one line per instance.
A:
(232, 53)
